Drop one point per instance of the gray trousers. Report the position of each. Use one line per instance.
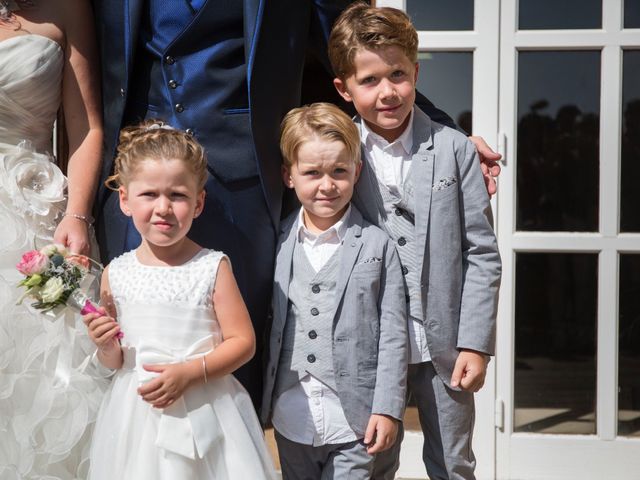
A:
(446, 417)
(343, 461)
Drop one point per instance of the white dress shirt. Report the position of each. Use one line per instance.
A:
(391, 163)
(310, 412)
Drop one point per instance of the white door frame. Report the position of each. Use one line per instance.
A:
(483, 41)
(545, 456)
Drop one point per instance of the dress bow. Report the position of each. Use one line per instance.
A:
(188, 427)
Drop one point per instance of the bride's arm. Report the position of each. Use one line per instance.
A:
(82, 111)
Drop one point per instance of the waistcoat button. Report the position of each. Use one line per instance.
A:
(315, 289)
(179, 108)
(402, 241)
(405, 270)
(313, 335)
(315, 311)
(169, 60)
(398, 212)
(189, 131)
(173, 84)
(311, 358)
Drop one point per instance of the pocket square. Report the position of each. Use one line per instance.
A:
(444, 183)
(371, 260)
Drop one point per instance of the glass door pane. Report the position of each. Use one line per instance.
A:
(559, 14)
(439, 15)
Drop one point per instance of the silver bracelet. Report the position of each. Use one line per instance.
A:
(88, 219)
(204, 368)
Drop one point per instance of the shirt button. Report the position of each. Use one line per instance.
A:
(179, 108)
(311, 358)
(315, 311)
(313, 335)
(405, 270)
(189, 131)
(169, 60)
(315, 289)
(173, 84)
(402, 241)
(398, 212)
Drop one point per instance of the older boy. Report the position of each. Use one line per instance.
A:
(422, 183)
(336, 373)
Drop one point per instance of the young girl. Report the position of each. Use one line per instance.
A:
(173, 410)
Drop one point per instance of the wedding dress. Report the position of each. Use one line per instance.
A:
(50, 391)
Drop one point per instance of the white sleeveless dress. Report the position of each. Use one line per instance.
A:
(45, 419)
(212, 431)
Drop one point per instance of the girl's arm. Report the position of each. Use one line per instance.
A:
(82, 112)
(239, 343)
(103, 329)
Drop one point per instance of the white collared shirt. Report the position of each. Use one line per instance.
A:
(310, 412)
(391, 163)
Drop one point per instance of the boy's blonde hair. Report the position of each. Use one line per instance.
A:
(362, 26)
(324, 121)
(154, 140)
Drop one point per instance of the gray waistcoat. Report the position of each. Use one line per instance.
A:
(399, 224)
(307, 336)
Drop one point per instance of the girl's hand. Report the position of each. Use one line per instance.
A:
(73, 233)
(103, 331)
(167, 387)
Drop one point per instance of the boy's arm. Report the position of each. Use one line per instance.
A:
(480, 258)
(391, 376)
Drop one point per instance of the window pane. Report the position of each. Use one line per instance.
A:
(555, 343)
(629, 353)
(439, 15)
(558, 14)
(446, 78)
(631, 14)
(630, 178)
(558, 138)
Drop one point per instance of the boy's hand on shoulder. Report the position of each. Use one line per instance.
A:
(488, 163)
(381, 433)
(470, 370)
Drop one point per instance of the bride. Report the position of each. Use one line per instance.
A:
(47, 60)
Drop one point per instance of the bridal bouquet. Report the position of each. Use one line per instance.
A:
(56, 278)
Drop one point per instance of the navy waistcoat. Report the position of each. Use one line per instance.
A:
(190, 71)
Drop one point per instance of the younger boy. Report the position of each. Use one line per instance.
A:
(336, 373)
(421, 182)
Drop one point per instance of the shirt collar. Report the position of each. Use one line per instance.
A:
(370, 138)
(339, 229)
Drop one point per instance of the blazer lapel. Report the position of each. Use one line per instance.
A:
(253, 11)
(282, 274)
(351, 246)
(132, 12)
(422, 164)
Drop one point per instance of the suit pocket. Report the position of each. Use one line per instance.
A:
(444, 194)
(369, 269)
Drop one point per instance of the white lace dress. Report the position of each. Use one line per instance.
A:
(45, 417)
(212, 432)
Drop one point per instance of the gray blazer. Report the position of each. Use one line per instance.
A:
(460, 264)
(369, 324)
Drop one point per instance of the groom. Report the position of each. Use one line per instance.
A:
(227, 71)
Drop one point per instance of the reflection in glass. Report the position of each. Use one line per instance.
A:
(631, 14)
(629, 347)
(446, 78)
(439, 15)
(558, 141)
(555, 343)
(630, 162)
(559, 14)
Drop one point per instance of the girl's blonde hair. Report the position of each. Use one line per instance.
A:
(318, 120)
(152, 139)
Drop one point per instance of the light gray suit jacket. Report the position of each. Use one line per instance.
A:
(369, 323)
(460, 264)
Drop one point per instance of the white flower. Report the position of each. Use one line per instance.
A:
(52, 248)
(34, 184)
(52, 290)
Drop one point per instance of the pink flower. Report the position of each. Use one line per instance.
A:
(33, 262)
(79, 260)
